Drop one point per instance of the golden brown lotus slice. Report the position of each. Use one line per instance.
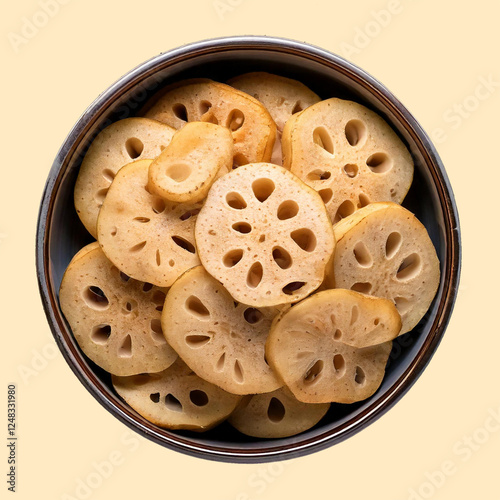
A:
(349, 154)
(251, 125)
(114, 319)
(306, 349)
(276, 414)
(220, 340)
(385, 251)
(264, 235)
(176, 398)
(282, 97)
(120, 143)
(146, 237)
(188, 166)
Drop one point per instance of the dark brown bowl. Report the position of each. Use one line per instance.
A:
(60, 234)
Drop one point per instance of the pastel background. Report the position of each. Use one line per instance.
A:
(442, 440)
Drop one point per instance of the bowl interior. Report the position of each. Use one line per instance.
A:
(63, 234)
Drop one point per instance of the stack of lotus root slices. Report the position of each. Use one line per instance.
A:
(253, 262)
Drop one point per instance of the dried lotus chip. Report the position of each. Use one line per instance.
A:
(120, 143)
(253, 129)
(264, 235)
(276, 414)
(220, 340)
(385, 251)
(114, 319)
(176, 398)
(146, 237)
(188, 166)
(349, 154)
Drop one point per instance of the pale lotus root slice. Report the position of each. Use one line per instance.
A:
(349, 154)
(120, 143)
(305, 348)
(188, 166)
(221, 340)
(146, 237)
(282, 97)
(385, 251)
(176, 398)
(265, 235)
(277, 414)
(252, 127)
(115, 320)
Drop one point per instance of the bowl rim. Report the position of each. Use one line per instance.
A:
(382, 403)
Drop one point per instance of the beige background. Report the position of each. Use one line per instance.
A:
(432, 55)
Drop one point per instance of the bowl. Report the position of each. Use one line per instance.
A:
(60, 233)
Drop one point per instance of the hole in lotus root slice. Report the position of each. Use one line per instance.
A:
(180, 111)
(196, 307)
(129, 305)
(326, 195)
(314, 371)
(134, 147)
(319, 175)
(393, 244)
(254, 276)
(362, 255)
(95, 298)
(198, 398)
(409, 268)
(359, 376)
(232, 257)
(354, 314)
(142, 220)
(263, 189)
(178, 172)
(158, 258)
(172, 403)
(292, 287)
(356, 133)
(239, 160)
(297, 108)
(235, 120)
(304, 238)
(238, 373)
(138, 247)
(403, 305)
(252, 315)
(125, 349)
(100, 334)
(147, 287)
(124, 277)
(184, 244)
(158, 205)
(363, 200)
(221, 362)
(337, 335)
(379, 163)
(362, 287)
(275, 410)
(197, 341)
(190, 213)
(108, 174)
(322, 138)
(236, 201)
(282, 258)
(114, 231)
(242, 227)
(339, 365)
(100, 195)
(351, 170)
(287, 210)
(156, 331)
(205, 107)
(159, 299)
(345, 209)
(155, 397)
